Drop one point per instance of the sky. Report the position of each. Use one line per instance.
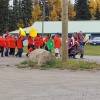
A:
(72, 1)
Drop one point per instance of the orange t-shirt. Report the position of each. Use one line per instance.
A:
(57, 42)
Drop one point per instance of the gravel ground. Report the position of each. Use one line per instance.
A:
(34, 84)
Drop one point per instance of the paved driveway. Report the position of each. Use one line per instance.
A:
(34, 84)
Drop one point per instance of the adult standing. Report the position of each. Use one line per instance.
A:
(57, 45)
(81, 46)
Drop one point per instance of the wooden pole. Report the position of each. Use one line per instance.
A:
(64, 30)
(43, 19)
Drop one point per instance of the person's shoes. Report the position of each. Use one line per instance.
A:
(74, 58)
(81, 57)
(27, 54)
(15, 55)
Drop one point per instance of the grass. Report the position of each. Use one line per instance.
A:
(92, 50)
(88, 50)
(26, 64)
(71, 64)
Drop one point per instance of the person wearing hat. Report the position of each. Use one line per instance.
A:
(57, 45)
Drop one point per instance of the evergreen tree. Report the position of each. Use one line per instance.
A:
(82, 10)
(26, 11)
(4, 4)
(13, 16)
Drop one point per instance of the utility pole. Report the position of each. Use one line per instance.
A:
(43, 17)
(64, 30)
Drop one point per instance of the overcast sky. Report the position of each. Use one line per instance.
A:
(72, 1)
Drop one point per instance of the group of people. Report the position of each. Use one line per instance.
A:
(76, 44)
(39, 42)
(9, 43)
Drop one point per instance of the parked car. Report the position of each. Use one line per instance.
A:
(95, 41)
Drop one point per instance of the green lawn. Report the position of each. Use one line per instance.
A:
(89, 50)
(92, 50)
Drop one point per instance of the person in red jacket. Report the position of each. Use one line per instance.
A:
(20, 46)
(37, 40)
(7, 45)
(30, 43)
(12, 42)
(2, 44)
(57, 45)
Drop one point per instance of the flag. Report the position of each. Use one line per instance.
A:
(50, 44)
(22, 32)
(33, 32)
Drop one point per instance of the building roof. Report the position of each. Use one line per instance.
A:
(52, 27)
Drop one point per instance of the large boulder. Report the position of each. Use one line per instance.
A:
(40, 56)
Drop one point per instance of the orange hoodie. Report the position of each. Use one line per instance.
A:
(37, 40)
(2, 41)
(19, 43)
(30, 40)
(12, 42)
(57, 42)
(7, 42)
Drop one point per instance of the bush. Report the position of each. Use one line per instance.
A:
(52, 64)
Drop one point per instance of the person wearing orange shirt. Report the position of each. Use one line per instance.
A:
(37, 40)
(12, 42)
(2, 44)
(20, 46)
(57, 45)
(7, 45)
(30, 43)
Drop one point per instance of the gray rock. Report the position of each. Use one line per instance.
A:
(40, 56)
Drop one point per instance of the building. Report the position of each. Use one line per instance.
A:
(52, 27)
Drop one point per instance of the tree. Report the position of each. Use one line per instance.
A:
(92, 6)
(82, 10)
(71, 12)
(20, 24)
(26, 11)
(4, 4)
(36, 14)
(55, 7)
(53, 14)
(97, 14)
